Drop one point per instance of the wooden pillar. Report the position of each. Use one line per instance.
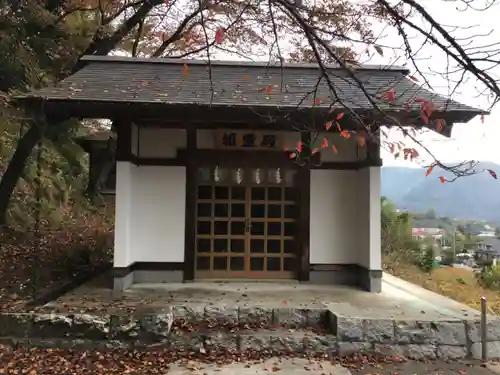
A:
(190, 219)
(304, 185)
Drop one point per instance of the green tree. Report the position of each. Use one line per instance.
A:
(396, 228)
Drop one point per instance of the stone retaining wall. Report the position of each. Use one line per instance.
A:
(418, 339)
(220, 329)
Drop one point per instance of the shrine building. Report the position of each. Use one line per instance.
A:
(205, 188)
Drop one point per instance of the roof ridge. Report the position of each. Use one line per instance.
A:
(236, 63)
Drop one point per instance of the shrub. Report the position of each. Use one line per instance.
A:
(489, 277)
(425, 261)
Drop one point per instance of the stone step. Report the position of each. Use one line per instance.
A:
(179, 318)
(282, 341)
(262, 341)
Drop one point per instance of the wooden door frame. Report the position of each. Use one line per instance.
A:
(196, 158)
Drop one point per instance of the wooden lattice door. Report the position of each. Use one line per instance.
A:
(246, 223)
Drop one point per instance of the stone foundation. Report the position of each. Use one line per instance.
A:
(347, 274)
(281, 330)
(320, 274)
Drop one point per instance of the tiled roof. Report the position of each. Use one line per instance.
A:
(494, 242)
(135, 80)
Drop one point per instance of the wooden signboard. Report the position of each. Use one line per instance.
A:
(248, 140)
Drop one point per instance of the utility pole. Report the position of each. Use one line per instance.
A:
(454, 244)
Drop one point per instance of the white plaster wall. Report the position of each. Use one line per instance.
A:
(157, 142)
(333, 210)
(370, 247)
(363, 212)
(159, 208)
(345, 217)
(123, 212)
(153, 198)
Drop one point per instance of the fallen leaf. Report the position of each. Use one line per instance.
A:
(245, 78)
(269, 89)
(185, 70)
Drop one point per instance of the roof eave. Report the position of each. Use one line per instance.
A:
(452, 117)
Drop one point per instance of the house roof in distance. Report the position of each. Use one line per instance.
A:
(110, 79)
(493, 242)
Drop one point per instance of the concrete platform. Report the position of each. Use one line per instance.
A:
(404, 320)
(398, 298)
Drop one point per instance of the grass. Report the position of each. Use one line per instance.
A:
(458, 284)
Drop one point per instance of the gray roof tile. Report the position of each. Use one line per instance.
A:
(113, 79)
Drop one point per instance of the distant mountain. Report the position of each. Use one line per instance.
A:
(475, 197)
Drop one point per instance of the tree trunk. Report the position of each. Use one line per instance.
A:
(15, 168)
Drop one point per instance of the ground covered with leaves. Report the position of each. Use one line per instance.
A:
(456, 283)
(32, 265)
(59, 361)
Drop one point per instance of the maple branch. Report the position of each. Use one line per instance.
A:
(460, 57)
(119, 12)
(177, 35)
(135, 46)
(209, 60)
(314, 39)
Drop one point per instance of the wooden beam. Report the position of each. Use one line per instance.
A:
(123, 140)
